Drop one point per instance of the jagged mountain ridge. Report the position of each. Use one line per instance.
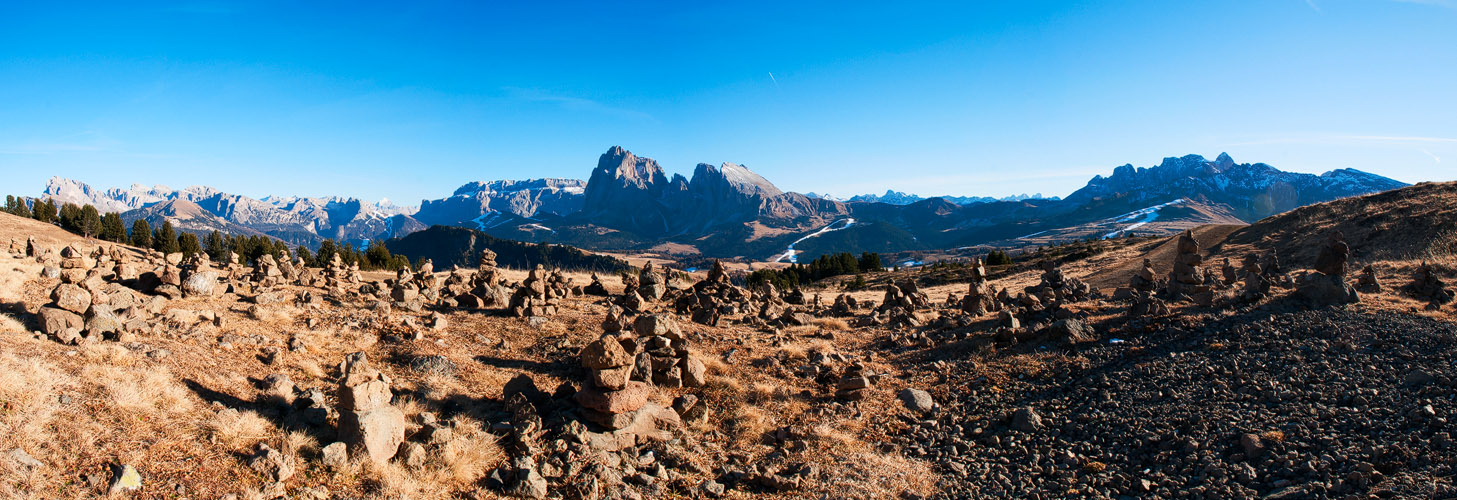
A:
(630, 203)
(295, 220)
(632, 193)
(524, 198)
(1253, 190)
(893, 197)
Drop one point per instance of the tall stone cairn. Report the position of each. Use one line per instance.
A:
(652, 283)
(368, 423)
(267, 273)
(1186, 279)
(980, 296)
(611, 398)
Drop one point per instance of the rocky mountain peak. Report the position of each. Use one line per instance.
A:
(736, 178)
(1224, 162)
(621, 164)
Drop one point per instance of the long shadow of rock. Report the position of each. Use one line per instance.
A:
(17, 310)
(298, 416)
(522, 364)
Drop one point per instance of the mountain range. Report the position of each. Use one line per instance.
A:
(902, 198)
(629, 203)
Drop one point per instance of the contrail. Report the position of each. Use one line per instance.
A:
(771, 78)
(1435, 158)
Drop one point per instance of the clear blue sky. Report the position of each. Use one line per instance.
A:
(964, 98)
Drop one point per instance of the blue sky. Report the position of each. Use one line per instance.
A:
(410, 101)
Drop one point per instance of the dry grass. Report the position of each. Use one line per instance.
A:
(1274, 436)
(186, 419)
(832, 324)
(11, 326)
(236, 430)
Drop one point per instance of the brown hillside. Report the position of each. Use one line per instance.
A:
(1413, 223)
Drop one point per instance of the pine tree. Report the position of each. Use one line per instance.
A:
(70, 217)
(112, 228)
(327, 249)
(308, 257)
(17, 206)
(141, 234)
(216, 246)
(187, 244)
(165, 240)
(44, 211)
(869, 261)
(90, 221)
(378, 256)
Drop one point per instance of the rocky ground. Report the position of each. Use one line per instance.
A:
(1265, 403)
(1029, 383)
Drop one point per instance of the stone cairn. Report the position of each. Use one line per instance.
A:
(618, 394)
(1186, 280)
(267, 273)
(596, 288)
(1327, 285)
(652, 283)
(844, 305)
(1142, 286)
(484, 290)
(980, 298)
(855, 384)
(664, 352)
(1270, 264)
(709, 300)
(1368, 282)
(1229, 273)
(899, 305)
(1144, 280)
(540, 294)
(1056, 288)
(404, 290)
(1256, 286)
(1426, 285)
(85, 307)
(368, 424)
(198, 277)
(336, 276)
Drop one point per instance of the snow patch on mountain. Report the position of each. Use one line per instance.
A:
(791, 254)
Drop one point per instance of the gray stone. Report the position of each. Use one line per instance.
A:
(201, 284)
(336, 455)
(1026, 420)
(917, 401)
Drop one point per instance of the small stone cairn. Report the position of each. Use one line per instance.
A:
(1327, 285)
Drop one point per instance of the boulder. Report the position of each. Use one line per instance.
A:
(202, 284)
(605, 353)
(55, 320)
(632, 397)
(71, 298)
(917, 401)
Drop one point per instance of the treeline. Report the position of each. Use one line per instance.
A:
(86, 221)
(824, 266)
(448, 245)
